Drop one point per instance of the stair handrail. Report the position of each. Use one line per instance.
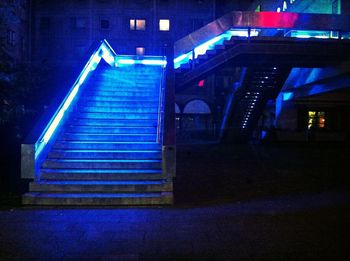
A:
(105, 51)
(160, 123)
(33, 153)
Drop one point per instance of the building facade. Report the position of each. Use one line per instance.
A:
(65, 30)
(14, 31)
(62, 33)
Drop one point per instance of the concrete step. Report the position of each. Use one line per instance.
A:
(138, 99)
(99, 199)
(118, 104)
(117, 115)
(114, 122)
(151, 87)
(127, 78)
(121, 109)
(211, 52)
(128, 75)
(104, 186)
(129, 92)
(131, 86)
(102, 164)
(110, 130)
(102, 145)
(219, 47)
(105, 154)
(101, 174)
(107, 137)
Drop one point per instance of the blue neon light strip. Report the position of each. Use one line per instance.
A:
(311, 34)
(210, 45)
(104, 51)
(154, 62)
(130, 61)
(287, 96)
(125, 61)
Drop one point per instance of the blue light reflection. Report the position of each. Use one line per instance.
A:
(287, 96)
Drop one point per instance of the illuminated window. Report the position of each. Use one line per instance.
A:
(164, 25)
(316, 119)
(104, 24)
(140, 50)
(138, 24)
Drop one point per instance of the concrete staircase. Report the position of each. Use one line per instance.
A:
(107, 153)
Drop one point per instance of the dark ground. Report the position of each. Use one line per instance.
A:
(233, 202)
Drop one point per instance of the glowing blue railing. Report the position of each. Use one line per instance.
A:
(160, 125)
(247, 33)
(306, 34)
(210, 45)
(104, 51)
(121, 60)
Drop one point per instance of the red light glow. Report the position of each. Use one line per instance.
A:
(201, 83)
(276, 20)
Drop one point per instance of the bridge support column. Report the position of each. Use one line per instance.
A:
(169, 138)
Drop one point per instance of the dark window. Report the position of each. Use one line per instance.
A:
(104, 24)
(11, 37)
(45, 23)
(79, 22)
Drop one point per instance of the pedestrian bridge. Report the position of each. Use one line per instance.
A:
(267, 45)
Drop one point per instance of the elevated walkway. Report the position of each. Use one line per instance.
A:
(268, 45)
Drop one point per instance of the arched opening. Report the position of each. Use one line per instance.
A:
(196, 121)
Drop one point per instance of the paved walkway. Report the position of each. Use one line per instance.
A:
(260, 209)
(308, 227)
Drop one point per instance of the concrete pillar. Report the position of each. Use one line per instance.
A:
(169, 138)
(169, 110)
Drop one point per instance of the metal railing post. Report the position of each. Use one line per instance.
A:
(193, 58)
